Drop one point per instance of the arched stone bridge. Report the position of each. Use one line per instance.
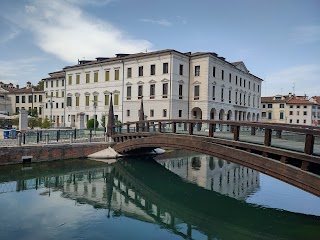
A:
(290, 153)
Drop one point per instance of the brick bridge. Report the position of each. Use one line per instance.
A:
(290, 153)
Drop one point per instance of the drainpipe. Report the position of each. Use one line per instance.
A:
(122, 91)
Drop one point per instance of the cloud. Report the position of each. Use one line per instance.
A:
(8, 31)
(11, 71)
(306, 34)
(64, 30)
(304, 79)
(162, 22)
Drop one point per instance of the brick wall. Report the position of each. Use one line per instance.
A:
(42, 153)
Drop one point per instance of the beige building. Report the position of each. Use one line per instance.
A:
(274, 109)
(173, 85)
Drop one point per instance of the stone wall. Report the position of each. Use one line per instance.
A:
(42, 153)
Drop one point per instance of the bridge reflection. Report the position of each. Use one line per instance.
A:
(145, 190)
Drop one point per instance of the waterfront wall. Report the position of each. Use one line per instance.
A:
(43, 153)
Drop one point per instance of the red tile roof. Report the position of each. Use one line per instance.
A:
(299, 101)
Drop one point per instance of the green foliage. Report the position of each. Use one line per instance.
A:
(103, 121)
(118, 122)
(90, 123)
(34, 122)
(15, 121)
(33, 112)
(46, 123)
(40, 85)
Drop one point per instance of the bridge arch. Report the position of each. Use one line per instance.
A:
(288, 173)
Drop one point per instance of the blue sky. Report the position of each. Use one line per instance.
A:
(278, 40)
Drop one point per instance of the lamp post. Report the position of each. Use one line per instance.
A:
(94, 116)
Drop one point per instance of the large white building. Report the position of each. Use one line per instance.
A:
(173, 85)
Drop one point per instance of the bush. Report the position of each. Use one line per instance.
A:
(90, 123)
(46, 123)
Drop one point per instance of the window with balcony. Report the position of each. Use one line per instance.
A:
(196, 92)
(152, 91)
(165, 90)
(180, 91)
(213, 92)
(128, 92)
(140, 91)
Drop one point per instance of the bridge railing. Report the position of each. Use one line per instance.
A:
(275, 135)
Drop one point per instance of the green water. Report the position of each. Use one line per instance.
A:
(175, 196)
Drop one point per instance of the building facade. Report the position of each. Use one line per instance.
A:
(172, 84)
(290, 109)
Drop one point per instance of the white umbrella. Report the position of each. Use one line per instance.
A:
(2, 116)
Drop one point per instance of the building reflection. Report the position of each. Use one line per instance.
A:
(215, 174)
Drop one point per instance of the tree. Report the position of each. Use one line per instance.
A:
(90, 123)
(40, 85)
(103, 121)
(46, 123)
(33, 112)
(34, 122)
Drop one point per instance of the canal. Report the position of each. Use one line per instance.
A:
(177, 195)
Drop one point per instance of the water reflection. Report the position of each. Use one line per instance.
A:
(144, 190)
(215, 174)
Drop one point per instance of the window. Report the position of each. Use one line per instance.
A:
(222, 94)
(70, 79)
(263, 106)
(240, 82)
(95, 76)
(304, 121)
(62, 105)
(40, 98)
(107, 75)
(305, 113)
(281, 105)
(87, 77)
(62, 83)
(57, 94)
(236, 80)
(106, 99)
(240, 99)
(77, 101)
(151, 113)
(46, 84)
(298, 106)
(35, 98)
(281, 115)
(222, 74)
(116, 99)
(244, 100)
(95, 100)
(196, 92)
(128, 92)
(180, 91)
(164, 113)
(298, 113)
(248, 100)
(197, 70)
(128, 113)
(180, 113)
(17, 109)
(69, 101)
(291, 106)
(291, 113)
(140, 91)
(116, 74)
(254, 86)
(236, 97)
(23, 100)
(165, 68)
(30, 99)
(249, 84)
(77, 79)
(51, 94)
(52, 83)
(258, 88)
(17, 99)
(290, 120)
(269, 105)
(244, 83)
(264, 114)
(152, 69)
(152, 91)
(297, 120)
(253, 101)
(165, 90)
(181, 70)
(129, 72)
(214, 71)
(304, 106)
(229, 96)
(269, 115)
(230, 77)
(57, 83)
(213, 92)
(140, 71)
(87, 101)
(62, 94)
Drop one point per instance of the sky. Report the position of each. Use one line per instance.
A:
(278, 40)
